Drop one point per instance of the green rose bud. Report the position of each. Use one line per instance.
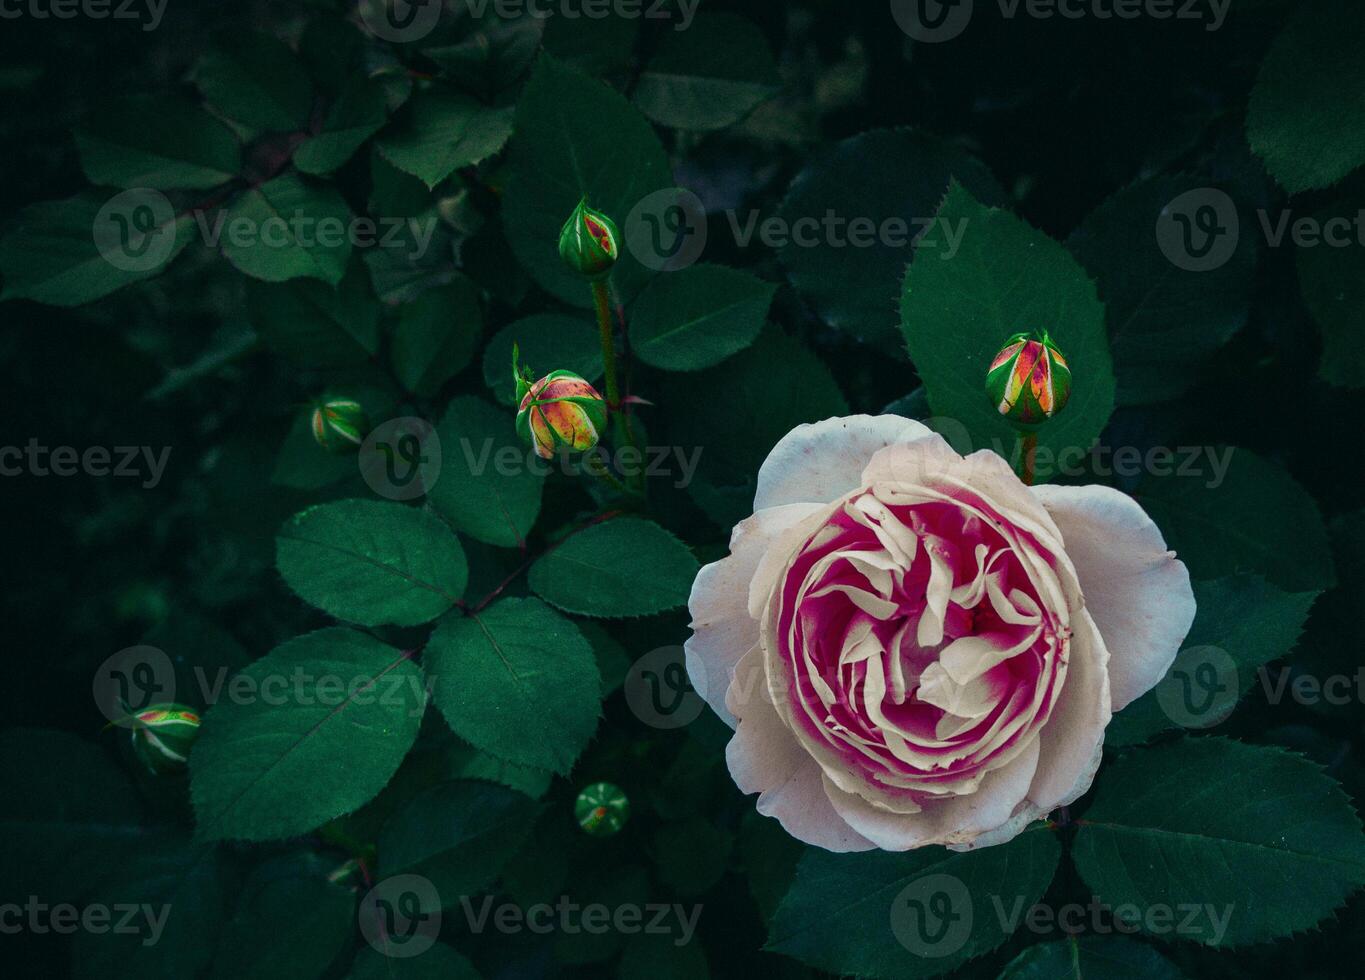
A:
(589, 243)
(340, 425)
(560, 411)
(1029, 380)
(162, 736)
(602, 809)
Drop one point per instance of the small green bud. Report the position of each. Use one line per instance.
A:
(1029, 380)
(340, 425)
(163, 735)
(602, 809)
(589, 243)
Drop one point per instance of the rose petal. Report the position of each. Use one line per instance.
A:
(821, 461)
(722, 629)
(764, 758)
(1135, 588)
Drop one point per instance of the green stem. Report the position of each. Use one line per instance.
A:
(1027, 448)
(602, 300)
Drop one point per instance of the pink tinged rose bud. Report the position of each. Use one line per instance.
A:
(589, 243)
(162, 736)
(561, 411)
(916, 648)
(1029, 381)
(339, 425)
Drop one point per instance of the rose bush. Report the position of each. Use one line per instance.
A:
(915, 648)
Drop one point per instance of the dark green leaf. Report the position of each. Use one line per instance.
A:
(287, 229)
(255, 79)
(287, 926)
(445, 132)
(372, 562)
(315, 324)
(268, 760)
(1091, 957)
(1257, 843)
(356, 115)
(518, 681)
(436, 336)
(623, 567)
(1332, 280)
(697, 317)
(157, 141)
(548, 342)
(439, 962)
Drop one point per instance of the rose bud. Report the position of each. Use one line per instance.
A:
(163, 734)
(340, 425)
(1029, 380)
(589, 243)
(602, 809)
(560, 411)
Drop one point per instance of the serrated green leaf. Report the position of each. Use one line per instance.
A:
(494, 54)
(487, 488)
(286, 925)
(445, 131)
(1164, 321)
(52, 253)
(622, 567)
(1256, 842)
(288, 229)
(574, 137)
(548, 342)
(157, 141)
(1247, 618)
(893, 179)
(1304, 118)
(843, 911)
(266, 764)
(372, 562)
(255, 79)
(315, 324)
(1248, 521)
(1090, 957)
(709, 76)
(697, 317)
(517, 681)
(357, 114)
(1005, 278)
(436, 336)
(458, 835)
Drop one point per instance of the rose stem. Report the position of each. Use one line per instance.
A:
(601, 295)
(1028, 446)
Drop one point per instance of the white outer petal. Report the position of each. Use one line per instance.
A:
(1135, 589)
(821, 461)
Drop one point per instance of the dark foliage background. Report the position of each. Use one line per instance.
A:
(1062, 115)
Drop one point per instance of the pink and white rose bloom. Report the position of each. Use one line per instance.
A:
(915, 648)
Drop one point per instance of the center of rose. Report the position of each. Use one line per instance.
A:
(918, 642)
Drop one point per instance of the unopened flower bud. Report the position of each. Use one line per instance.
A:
(163, 734)
(602, 809)
(560, 411)
(1029, 380)
(340, 425)
(589, 243)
